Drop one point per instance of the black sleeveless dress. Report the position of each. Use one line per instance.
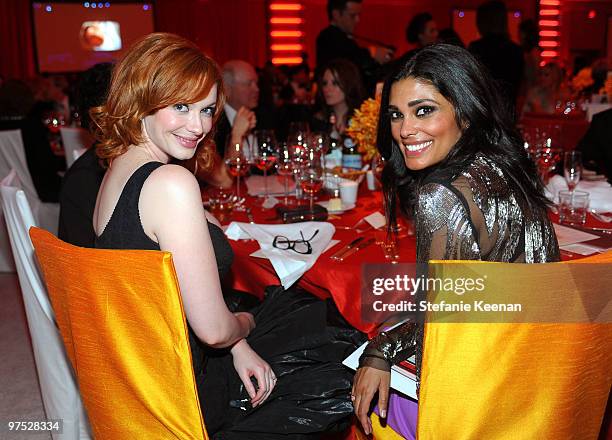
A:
(303, 339)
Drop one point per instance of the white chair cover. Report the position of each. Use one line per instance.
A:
(12, 157)
(74, 140)
(59, 391)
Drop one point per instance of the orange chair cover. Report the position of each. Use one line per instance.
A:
(121, 317)
(515, 381)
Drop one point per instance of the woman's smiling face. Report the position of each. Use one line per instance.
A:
(422, 123)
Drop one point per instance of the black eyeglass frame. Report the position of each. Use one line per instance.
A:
(287, 244)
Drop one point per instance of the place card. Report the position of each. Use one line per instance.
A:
(376, 220)
(567, 235)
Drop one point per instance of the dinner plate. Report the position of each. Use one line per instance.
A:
(344, 207)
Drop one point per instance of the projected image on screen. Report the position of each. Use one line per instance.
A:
(100, 35)
(71, 37)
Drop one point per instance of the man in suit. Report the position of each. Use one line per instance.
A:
(336, 41)
(242, 96)
(596, 145)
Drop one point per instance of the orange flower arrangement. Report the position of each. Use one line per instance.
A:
(583, 79)
(363, 126)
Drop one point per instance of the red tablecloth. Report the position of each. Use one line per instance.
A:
(329, 278)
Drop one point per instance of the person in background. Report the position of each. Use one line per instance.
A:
(82, 180)
(340, 92)
(529, 38)
(497, 51)
(548, 92)
(240, 116)
(41, 138)
(449, 36)
(336, 41)
(596, 145)
(421, 31)
(456, 164)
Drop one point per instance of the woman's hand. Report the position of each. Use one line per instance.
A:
(247, 364)
(367, 382)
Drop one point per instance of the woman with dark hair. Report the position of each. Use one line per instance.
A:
(457, 165)
(340, 91)
(422, 30)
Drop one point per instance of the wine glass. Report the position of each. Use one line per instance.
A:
(311, 178)
(265, 155)
(237, 166)
(297, 152)
(319, 142)
(572, 168)
(547, 155)
(298, 135)
(284, 167)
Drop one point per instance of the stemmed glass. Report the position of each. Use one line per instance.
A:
(237, 166)
(298, 135)
(546, 154)
(311, 178)
(319, 142)
(265, 156)
(572, 168)
(284, 167)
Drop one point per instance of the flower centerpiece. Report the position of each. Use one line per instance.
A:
(583, 80)
(363, 126)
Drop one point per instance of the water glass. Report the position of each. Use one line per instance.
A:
(573, 206)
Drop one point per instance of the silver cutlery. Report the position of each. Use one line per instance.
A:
(354, 249)
(348, 247)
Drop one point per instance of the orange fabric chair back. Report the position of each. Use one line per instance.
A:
(121, 318)
(499, 381)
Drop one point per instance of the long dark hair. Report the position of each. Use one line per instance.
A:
(349, 81)
(487, 129)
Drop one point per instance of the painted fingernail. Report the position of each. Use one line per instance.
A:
(383, 413)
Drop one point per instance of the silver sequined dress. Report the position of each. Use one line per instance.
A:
(477, 216)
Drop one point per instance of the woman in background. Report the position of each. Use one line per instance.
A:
(340, 91)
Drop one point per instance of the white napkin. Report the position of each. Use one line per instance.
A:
(600, 192)
(276, 185)
(289, 265)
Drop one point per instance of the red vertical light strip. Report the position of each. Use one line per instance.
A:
(550, 28)
(285, 31)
